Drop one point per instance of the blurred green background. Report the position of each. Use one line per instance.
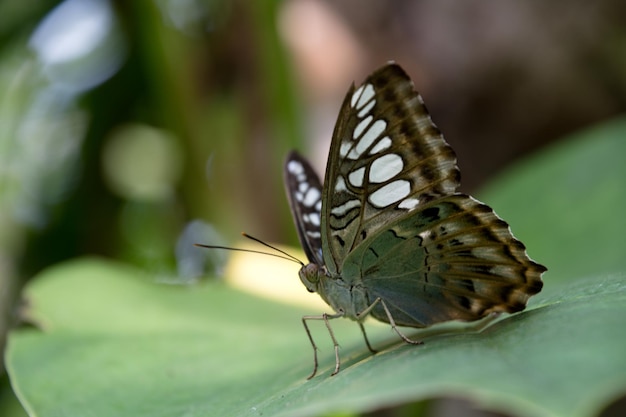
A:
(131, 129)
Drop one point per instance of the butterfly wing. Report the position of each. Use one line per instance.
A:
(392, 222)
(452, 259)
(304, 192)
(386, 158)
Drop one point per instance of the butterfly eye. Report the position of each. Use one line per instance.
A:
(309, 275)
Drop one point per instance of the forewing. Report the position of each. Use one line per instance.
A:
(386, 159)
(304, 193)
(452, 259)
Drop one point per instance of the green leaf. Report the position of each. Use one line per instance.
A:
(113, 343)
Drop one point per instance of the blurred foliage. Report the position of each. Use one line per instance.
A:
(121, 126)
(130, 130)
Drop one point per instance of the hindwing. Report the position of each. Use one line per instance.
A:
(454, 259)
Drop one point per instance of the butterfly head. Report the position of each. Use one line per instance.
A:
(310, 276)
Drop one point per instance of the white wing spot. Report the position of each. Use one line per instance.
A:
(356, 177)
(353, 154)
(344, 148)
(295, 167)
(409, 203)
(366, 109)
(299, 196)
(370, 136)
(303, 186)
(386, 167)
(313, 234)
(390, 193)
(318, 206)
(368, 94)
(356, 95)
(361, 126)
(426, 234)
(311, 197)
(314, 219)
(345, 207)
(382, 144)
(340, 185)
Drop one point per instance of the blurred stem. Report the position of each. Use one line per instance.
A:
(236, 134)
(284, 109)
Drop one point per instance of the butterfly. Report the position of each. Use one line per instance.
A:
(387, 235)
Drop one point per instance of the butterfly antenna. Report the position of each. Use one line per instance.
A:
(286, 255)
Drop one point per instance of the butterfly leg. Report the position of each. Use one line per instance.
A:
(367, 342)
(395, 328)
(324, 317)
(368, 310)
(360, 317)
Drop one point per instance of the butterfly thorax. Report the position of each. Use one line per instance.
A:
(342, 296)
